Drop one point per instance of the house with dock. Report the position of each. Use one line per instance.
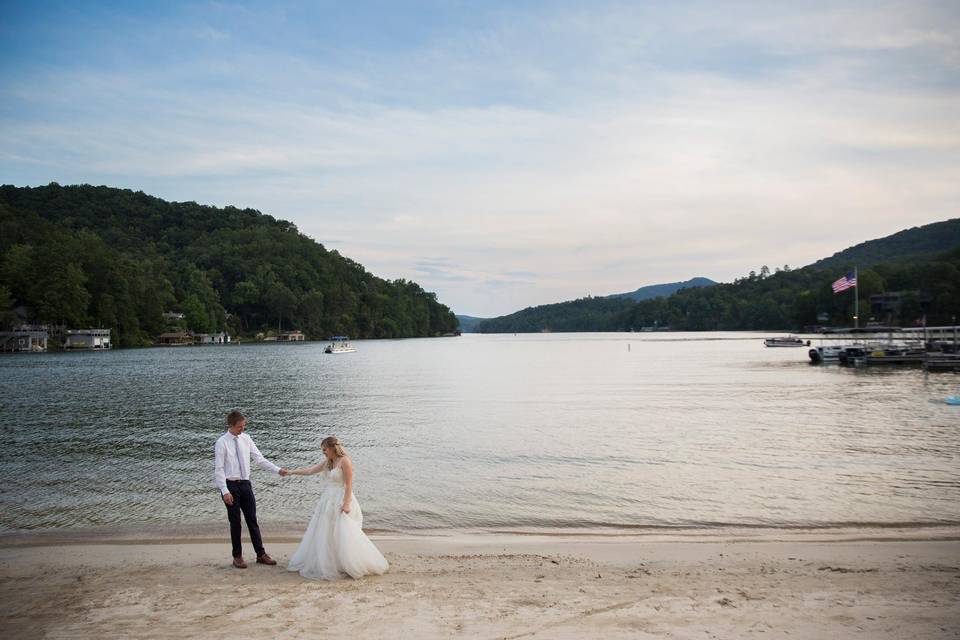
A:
(37, 338)
(185, 338)
(291, 336)
(175, 339)
(86, 339)
(212, 338)
(25, 339)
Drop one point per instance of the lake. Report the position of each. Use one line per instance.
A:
(519, 432)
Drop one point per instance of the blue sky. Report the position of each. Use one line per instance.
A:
(506, 154)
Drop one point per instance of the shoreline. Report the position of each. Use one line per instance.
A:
(718, 584)
(291, 533)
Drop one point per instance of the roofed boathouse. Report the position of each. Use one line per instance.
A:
(175, 339)
(212, 338)
(86, 339)
(23, 340)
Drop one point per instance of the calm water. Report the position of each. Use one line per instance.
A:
(506, 432)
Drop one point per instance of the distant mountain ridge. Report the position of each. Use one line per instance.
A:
(908, 244)
(660, 290)
(468, 324)
(572, 315)
(920, 267)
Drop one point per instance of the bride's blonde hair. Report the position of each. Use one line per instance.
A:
(331, 442)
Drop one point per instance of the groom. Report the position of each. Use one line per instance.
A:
(231, 474)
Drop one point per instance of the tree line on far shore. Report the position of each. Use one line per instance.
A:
(921, 265)
(87, 256)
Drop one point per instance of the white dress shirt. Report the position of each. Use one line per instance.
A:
(231, 459)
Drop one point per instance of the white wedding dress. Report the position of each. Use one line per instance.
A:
(335, 543)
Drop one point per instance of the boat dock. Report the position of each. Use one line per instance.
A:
(934, 348)
(87, 339)
(942, 362)
(25, 340)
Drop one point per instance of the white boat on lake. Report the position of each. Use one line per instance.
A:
(828, 353)
(339, 344)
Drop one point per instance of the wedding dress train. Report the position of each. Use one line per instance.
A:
(334, 543)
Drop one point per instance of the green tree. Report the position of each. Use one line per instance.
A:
(7, 315)
(63, 296)
(281, 302)
(196, 315)
(18, 271)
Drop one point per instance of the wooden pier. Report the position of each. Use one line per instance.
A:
(942, 362)
(934, 348)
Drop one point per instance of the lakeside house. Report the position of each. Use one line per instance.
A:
(24, 340)
(291, 336)
(86, 339)
(184, 338)
(175, 339)
(36, 338)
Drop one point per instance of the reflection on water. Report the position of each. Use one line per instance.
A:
(562, 430)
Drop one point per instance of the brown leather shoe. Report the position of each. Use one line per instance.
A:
(265, 559)
(239, 563)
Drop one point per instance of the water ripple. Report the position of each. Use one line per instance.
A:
(565, 431)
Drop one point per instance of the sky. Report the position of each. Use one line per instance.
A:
(505, 154)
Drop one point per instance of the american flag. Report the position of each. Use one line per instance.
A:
(844, 283)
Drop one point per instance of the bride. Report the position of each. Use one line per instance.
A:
(334, 542)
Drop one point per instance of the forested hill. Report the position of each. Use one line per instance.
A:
(660, 290)
(468, 324)
(585, 314)
(922, 267)
(916, 243)
(103, 257)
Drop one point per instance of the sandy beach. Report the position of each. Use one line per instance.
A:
(884, 583)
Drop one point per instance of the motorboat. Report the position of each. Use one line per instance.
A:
(897, 354)
(829, 353)
(854, 356)
(786, 341)
(845, 354)
(859, 354)
(339, 344)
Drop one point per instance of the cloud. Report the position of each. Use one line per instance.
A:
(546, 154)
(434, 272)
(209, 33)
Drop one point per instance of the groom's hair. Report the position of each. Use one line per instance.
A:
(234, 417)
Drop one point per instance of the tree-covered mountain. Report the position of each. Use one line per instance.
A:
(910, 245)
(104, 257)
(600, 313)
(585, 314)
(468, 324)
(660, 290)
(921, 270)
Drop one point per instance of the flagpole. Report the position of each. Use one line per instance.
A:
(856, 299)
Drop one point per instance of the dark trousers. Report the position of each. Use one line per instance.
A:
(244, 501)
